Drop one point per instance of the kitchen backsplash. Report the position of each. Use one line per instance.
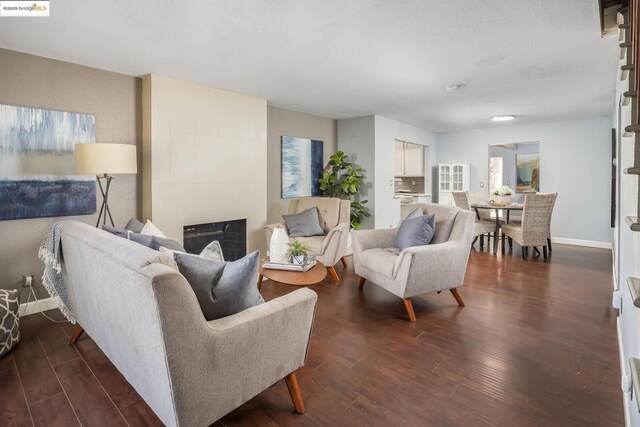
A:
(405, 184)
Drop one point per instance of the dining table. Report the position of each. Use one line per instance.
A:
(506, 209)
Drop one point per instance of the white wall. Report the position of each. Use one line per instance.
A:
(292, 123)
(207, 152)
(386, 132)
(574, 162)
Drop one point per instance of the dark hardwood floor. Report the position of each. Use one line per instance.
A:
(535, 345)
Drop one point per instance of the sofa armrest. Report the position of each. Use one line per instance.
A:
(369, 239)
(334, 245)
(268, 231)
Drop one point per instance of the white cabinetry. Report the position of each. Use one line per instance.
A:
(408, 159)
(453, 177)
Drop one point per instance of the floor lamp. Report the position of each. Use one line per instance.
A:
(104, 161)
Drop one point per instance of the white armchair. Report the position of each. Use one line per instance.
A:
(334, 219)
(417, 270)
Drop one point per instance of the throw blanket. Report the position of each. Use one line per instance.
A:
(52, 278)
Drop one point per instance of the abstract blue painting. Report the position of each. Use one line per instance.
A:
(36, 163)
(302, 164)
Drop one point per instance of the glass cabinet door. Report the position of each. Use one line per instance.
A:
(445, 178)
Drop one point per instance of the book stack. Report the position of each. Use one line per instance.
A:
(287, 266)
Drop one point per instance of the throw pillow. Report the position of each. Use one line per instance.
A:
(153, 242)
(415, 231)
(222, 288)
(134, 225)
(304, 224)
(213, 251)
(416, 213)
(150, 229)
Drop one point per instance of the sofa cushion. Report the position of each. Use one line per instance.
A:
(416, 231)
(222, 288)
(134, 225)
(328, 210)
(381, 260)
(303, 224)
(315, 242)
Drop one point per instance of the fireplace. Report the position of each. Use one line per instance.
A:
(232, 236)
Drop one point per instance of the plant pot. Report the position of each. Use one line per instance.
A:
(298, 259)
(501, 200)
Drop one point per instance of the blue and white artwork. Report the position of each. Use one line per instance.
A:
(36, 163)
(302, 164)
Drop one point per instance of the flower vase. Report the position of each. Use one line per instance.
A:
(279, 245)
(298, 259)
(502, 200)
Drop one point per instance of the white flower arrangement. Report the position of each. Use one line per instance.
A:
(503, 191)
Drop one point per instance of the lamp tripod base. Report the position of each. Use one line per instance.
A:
(104, 209)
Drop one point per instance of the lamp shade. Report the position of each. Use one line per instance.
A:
(109, 159)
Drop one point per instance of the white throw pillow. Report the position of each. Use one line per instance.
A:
(213, 251)
(151, 230)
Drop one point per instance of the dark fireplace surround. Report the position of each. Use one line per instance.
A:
(232, 236)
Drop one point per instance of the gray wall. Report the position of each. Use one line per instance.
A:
(291, 123)
(575, 159)
(34, 81)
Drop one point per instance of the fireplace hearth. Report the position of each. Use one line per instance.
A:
(232, 236)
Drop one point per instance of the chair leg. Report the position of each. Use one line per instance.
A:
(409, 307)
(495, 242)
(361, 282)
(536, 250)
(474, 241)
(334, 274)
(481, 241)
(294, 391)
(75, 336)
(502, 244)
(549, 245)
(524, 252)
(510, 243)
(457, 296)
(343, 260)
(260, 278)
(544, 252)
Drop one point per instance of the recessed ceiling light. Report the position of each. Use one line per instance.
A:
(453, 88)
(503, 118)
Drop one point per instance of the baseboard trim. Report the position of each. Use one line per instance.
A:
(38, 306)
(578, 242)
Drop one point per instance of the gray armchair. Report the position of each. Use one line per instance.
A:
(421, 269)
(334, 219)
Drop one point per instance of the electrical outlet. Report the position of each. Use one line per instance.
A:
(27, 280)
(481, 184)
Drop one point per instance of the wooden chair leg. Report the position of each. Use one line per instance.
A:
(457, 296)
(294, 391)
(75, 336)
(481, 241)
(343, 260)
(544, 253)
(334, 274)
(549, 245)
(361, 282)
(409, 307)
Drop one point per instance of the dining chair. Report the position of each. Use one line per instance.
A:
(535, 228)
(484, 225)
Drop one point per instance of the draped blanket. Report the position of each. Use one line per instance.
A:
(52, 278)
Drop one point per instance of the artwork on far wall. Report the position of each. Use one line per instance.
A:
(527, 172)
(302, 164)
(36, 163)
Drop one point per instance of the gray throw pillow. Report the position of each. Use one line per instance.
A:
(134, 225)
(222, 288)
(153, 242)
(415, 231)
(416, 213)
(304, 224)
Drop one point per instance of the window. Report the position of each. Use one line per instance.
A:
(495, 173)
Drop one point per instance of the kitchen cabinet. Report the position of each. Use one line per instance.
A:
(408, 159)
(452, 178)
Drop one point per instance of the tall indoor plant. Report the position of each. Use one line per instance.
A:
(343, 180)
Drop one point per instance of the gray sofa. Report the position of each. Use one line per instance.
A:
(145, 317)
(421, 269)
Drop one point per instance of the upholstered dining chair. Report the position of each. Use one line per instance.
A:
(417, 270)
(334, 219)
(535, 228)
(485, 225)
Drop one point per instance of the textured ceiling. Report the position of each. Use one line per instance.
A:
(542, 60)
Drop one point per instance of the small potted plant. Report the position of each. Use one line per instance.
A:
(298, 251)
(502, 195)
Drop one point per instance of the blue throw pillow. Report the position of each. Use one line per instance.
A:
(416, 231)
(222, 288)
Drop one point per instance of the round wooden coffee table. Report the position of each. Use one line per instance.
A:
(294, 278)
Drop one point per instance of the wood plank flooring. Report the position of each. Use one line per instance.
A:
(535, 345)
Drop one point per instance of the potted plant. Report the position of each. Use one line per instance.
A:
(502, 195)
(298, 251)
(343, 180)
